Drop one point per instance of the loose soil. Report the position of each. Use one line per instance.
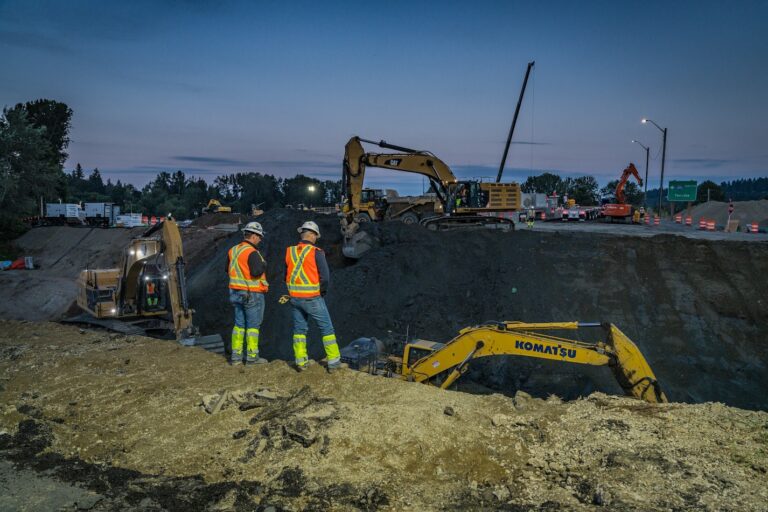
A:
(116, 423)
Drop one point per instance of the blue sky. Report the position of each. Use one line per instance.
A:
(221, 86)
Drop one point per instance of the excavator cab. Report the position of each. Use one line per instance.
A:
(153, 290)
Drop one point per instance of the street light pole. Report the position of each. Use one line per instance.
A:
(663, 156)
(645, 190)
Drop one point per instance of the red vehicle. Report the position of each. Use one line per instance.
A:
(620, 209)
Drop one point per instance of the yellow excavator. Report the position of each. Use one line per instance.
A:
(215, 206)
(147, 293)
(457, 204)
(441, 364)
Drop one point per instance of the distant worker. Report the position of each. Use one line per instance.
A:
(247, 268)
(151, 290)
(531, 217)
(307, 278)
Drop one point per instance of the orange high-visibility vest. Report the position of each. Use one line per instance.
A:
(240, 277)
(302, 278)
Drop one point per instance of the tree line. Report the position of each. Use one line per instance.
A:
(185, 197)
(34, 138)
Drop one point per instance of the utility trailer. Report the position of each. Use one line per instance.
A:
(101, 214)
(60, 214)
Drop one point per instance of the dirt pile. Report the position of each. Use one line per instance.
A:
(697, 309)
(746, 212)
(60, 253)
(123, 418)
(216, 219)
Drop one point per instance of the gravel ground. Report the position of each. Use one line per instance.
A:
(120, 420)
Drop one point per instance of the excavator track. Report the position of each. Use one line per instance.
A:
(468, 222)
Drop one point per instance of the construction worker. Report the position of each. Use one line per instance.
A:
(246, 268)
(531, 218)
(307, 278)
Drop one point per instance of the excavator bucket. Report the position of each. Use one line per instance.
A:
(356, 241)
(632, 370)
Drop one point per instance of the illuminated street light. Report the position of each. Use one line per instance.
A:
(663, 155)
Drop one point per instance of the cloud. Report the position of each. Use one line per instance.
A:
(299, 164)
(212, 160)
(33, 41)
(707, 163)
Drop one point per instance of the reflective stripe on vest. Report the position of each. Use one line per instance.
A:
(240, 278)
(299, 282)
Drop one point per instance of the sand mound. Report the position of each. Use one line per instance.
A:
(746, 212)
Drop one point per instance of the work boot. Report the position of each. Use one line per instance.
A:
(233, 362)
(335, 367)
(259, 360)
(301, 368)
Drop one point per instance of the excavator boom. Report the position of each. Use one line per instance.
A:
(443, 364)
(629, 171)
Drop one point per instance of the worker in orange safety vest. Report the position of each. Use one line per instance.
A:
(307, 278)
(246, 269)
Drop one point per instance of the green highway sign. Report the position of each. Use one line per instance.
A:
(681, 191)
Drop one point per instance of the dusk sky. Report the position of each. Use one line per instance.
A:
(278, 87)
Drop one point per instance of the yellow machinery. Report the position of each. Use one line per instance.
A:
(457, 204)
(442, 363)
(215, 206)
(147, 293)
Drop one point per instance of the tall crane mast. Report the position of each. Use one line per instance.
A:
(514, 121)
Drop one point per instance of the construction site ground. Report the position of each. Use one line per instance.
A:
(116, 423)
(102, 421)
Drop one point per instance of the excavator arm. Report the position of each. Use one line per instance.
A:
(446, 363)
(356, 159)
(629, 171)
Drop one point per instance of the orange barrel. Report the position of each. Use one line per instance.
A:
(656, 220)
(702, 223)
(679, 218)
(144, 219)
(710, 225)
(153, 220)
(755, 228)
(689, 221)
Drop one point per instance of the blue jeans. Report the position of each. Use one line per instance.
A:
(315, 308)
(249, 312)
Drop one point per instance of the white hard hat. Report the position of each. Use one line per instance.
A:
(254, 227)
(310, 226)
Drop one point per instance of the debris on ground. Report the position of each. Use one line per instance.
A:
(350, 441)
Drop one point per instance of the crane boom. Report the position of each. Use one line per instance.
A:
(514, 121)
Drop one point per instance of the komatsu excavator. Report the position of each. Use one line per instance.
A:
(458, 204)
(441, 364)
(620, 209)
(147, 294)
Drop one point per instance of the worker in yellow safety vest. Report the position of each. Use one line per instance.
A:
(307, 278)
(246, 269)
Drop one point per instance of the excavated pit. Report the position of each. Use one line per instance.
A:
(696, 308)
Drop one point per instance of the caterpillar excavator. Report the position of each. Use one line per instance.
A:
(457, 204)
(147, 293)
(441, 364)
(620, 209)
